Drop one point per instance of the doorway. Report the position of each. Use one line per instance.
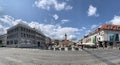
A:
(38, 44)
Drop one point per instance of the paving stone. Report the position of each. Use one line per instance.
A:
(23, 56)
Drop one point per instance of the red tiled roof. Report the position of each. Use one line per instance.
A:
(110, 27)
(105, 27)
(65, 42)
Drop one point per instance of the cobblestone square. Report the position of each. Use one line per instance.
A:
(19, 56)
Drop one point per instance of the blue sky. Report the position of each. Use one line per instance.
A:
(57, 17)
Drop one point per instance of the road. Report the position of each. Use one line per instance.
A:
(18, 56)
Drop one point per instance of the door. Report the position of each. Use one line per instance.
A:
(38, 44)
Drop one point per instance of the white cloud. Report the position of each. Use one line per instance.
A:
(55, 16)
(73, 37)
(47, 4)
(87, 31)
(59, 7)
(115, 20)
(10, 20)
(53, 31)
(83, 28)
(2, 29)
(44, 4)
(68, 7)
(64, 21)
(7, 19)
(94, 26)
(92, 11)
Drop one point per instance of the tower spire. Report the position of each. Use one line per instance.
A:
(65, 36)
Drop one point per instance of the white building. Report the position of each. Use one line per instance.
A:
(106, 35)
(3, 39)
(22, 35)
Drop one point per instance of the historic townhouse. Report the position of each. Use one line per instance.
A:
(3, 39)
(106, 35)
(21, 35)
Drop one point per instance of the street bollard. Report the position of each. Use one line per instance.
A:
(66, 49)
(73, 49)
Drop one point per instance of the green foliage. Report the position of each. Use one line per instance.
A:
(56, 42)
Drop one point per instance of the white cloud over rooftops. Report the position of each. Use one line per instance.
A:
(53, 31)
(115, 20)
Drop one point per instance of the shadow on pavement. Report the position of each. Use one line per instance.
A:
(100, 58)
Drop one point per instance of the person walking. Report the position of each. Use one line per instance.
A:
(81, 45)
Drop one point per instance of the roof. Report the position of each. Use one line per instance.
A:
(105, 27)
(25, 26)
(66, 42)
(110, 27)
(20, 24)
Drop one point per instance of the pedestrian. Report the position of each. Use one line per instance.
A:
(81, 45)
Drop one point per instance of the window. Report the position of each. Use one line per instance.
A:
(21, 34)
(116, 37)
(21, 29)
(99, 33)
(24, 35)
(7, 42)
(109, 27)
(15, 41)
(102, 33)
(99, 38)
(11, 42)
(111, 37)
(29, 31)
(116, 27)
(119, 28)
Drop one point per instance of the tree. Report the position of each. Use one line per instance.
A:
(56, 42)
